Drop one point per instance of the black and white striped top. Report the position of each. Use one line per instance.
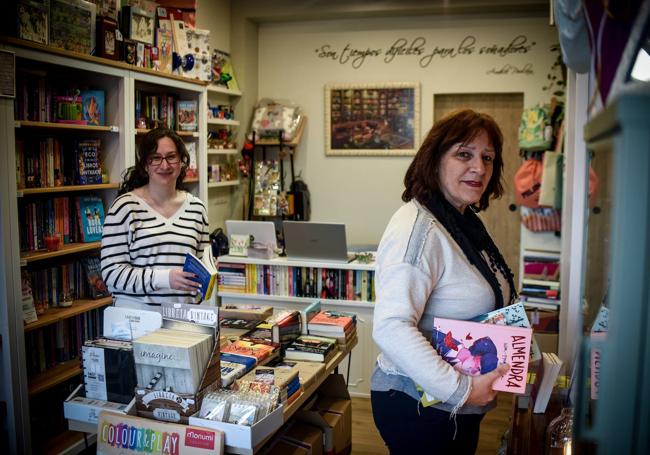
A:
(140, 247)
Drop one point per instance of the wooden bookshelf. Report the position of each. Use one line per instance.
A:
(97, 60)
(143, 131)
(54, 376)
(65, 126)
(213, 88)
(70, 248)
(224, 183)
(67, 189)
(54, 315)
(223, 121)
(222, 151)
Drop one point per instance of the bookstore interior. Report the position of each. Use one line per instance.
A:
(190, 266)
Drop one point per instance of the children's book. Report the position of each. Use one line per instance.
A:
(164, 42)
(90, 215)
(512, 315)
(192, 171)
(187, 115)
(474, 348)
(92, 105)
(205, 270)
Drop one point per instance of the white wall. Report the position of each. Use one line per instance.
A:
(363, 192)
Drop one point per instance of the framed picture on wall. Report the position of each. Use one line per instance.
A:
(140, 25)
(372, 119)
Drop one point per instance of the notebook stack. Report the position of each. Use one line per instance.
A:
(174, 360)
(311, 348)
(334, 324)
(109, 370)
(286, 380)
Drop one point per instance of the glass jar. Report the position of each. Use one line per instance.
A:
(559, 434)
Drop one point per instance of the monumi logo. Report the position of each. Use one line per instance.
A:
(203, 439)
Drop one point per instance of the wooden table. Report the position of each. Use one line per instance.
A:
(307, 393)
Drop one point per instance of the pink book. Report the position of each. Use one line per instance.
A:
(474, 348)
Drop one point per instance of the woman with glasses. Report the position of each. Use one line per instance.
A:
(150, 227)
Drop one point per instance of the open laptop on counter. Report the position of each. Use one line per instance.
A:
(262, 231)
(314, 241)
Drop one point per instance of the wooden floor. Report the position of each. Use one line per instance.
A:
(366, 439)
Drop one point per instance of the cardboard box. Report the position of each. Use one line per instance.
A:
(547, 342)
(178, 407)
(83, 413)
(306, 436)
(284, 447)
(332, 413)
(241, 438)
(119, 434)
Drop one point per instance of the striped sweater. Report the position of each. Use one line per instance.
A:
(140, 247)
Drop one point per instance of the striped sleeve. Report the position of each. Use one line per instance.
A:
(118, 271)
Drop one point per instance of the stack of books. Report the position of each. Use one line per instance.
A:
(250, 312)
(311, 348)
(545, 378)
(281, 328)
(230, 371)
(334, 324)
(248, 353)
(231, 327)
(285, 379)
(176, 358)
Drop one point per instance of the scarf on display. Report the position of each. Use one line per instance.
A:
(470, 234)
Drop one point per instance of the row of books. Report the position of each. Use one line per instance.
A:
(74, 219)
(51, 162)
(164, 109)
(60, 342)
(293, 281)
(40, 100)
(541, 279)
(58, 284)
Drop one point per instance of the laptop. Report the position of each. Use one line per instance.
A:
(311, 241)
(262, 231)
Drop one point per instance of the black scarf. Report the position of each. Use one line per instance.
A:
(471, 236)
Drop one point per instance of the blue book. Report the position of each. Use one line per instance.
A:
(205, 271)
(92, 102)
(248, 362)
(90, 215)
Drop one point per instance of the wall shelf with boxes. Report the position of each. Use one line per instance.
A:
(281, 292)
(222, 151)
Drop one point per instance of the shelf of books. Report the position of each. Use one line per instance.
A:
(232, 296)
(62, 250)
(66, 126)
(68, 149)
(55, 315)
(212, 151)
(299, 281)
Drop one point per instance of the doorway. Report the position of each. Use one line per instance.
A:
(503, 224)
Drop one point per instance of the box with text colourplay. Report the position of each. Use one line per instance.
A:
(121, 434)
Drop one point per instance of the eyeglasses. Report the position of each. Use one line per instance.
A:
(157, 160)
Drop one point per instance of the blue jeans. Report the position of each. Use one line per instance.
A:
(409, 428)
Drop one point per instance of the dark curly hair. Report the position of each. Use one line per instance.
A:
(421, 179)
(136, 176)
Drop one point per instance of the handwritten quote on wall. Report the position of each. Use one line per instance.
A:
(417, 48)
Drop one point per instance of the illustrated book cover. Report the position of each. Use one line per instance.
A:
(93, 269)
(90, 215)
(205, 270)
(92, 105)
(512, 315)
(88, 170)
(474, 348)
(187, 115)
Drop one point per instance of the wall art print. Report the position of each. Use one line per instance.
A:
(372, 119)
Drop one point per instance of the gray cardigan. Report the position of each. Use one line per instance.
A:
(421, 272)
